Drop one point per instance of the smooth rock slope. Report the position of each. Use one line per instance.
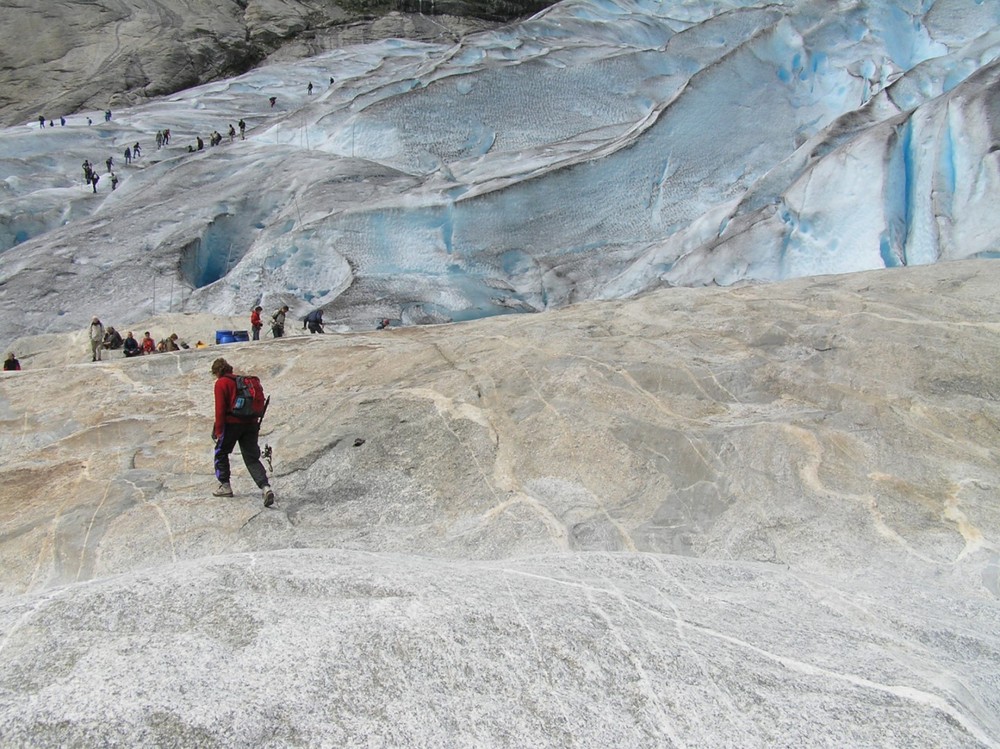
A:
(754, 517)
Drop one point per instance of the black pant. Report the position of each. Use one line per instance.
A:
(245, 435)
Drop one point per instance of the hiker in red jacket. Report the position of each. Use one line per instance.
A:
(255, 323)
(228, 430)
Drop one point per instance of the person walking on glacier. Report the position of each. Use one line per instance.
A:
(231, 428)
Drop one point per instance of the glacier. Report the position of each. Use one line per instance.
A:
(594, 151)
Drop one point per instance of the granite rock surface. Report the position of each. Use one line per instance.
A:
(760, 517)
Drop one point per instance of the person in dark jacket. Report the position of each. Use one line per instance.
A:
(130, 346)
(112, 338)
(313, 321)
(11, 364)
(229, 430)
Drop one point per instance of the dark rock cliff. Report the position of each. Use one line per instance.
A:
(58, 57)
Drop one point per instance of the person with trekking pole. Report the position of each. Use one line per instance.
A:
(240, 406)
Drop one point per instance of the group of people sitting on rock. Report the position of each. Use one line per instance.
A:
(111, 340)
(108, 339)
(132, 347)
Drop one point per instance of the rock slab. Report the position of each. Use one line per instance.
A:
(758, 517)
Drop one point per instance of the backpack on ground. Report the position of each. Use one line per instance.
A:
(250, 400)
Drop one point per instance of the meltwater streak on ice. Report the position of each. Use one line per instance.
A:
(714, 143)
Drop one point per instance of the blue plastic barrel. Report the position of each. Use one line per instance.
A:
(224, 336)
(241, 335)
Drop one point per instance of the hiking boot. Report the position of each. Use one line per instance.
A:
(224, 490)
(268, 496)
